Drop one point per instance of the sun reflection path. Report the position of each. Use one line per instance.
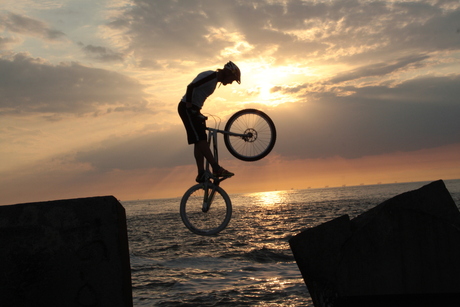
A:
(270, 198)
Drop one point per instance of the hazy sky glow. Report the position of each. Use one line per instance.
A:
(361, 92)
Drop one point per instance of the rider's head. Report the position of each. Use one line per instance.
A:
(232, 70)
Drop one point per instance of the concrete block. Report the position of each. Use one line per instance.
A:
(65, 253)
(403, 250)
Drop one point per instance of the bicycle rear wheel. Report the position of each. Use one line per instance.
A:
(260, 134)
(205, 222)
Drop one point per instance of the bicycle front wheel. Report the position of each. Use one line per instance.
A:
(259, 135)
(204, 220)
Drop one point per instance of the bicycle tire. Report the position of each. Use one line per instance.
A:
(205, 223)
(263, 135)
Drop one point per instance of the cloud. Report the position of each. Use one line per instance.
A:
(102, 54)
(380, 69)
(7, 42)
(28, 26)
(158, 149)
(371, 120)
(167, 33)
(30, 85)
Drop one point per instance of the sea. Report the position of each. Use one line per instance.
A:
(250, 262)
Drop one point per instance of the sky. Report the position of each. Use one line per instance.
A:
(360, 91)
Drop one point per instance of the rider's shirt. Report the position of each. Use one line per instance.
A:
(201, 87)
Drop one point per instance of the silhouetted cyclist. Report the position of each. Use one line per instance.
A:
(195, 122)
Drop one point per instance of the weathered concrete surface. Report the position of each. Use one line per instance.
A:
(65, 253)
(403, 252)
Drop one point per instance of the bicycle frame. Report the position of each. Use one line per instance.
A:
(212, 141)
(212, 137)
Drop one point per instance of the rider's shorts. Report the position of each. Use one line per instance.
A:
(195, 126)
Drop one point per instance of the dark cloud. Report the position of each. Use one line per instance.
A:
(102, 54)
(28, 26)
(175, 30)
(32, 85)
(165, 148)
(5, 42)
(416, 114)
(380, 69)
(200, 30)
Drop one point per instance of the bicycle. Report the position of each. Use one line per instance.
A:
(249, 135)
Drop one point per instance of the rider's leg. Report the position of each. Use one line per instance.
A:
(202, 151)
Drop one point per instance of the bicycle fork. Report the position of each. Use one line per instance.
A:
(209, 193)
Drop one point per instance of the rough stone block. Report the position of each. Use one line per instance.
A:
(403, 250)
(65, 253)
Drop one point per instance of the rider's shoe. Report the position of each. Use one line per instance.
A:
(200, 178)
(223, 173)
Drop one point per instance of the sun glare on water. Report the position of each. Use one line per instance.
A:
(270, 198)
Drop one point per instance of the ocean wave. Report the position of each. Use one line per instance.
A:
(262, 255)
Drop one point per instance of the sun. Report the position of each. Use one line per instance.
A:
(263, 80)
(264, 90)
